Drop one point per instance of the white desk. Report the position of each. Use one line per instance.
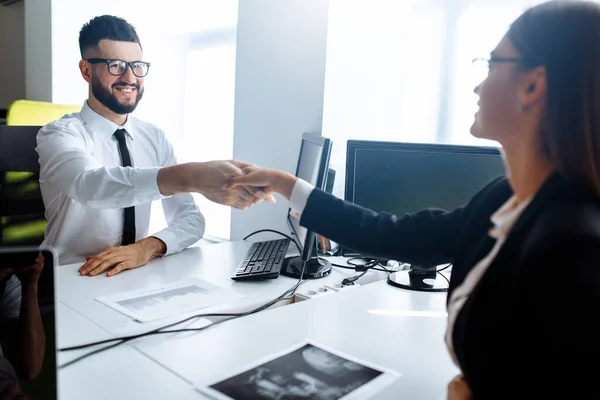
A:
(352, 322)
(120, 373)
(165, 366)
(213, 263)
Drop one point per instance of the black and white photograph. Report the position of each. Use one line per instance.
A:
(307, 371)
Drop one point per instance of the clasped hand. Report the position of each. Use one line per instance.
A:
(218, 173)
(268, 181)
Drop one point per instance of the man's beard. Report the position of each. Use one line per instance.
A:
(109, 100)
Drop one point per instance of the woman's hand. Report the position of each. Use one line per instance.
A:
(458, 389)
(269, 180)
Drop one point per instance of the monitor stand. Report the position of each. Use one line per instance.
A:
(315, 268)
(418, 279)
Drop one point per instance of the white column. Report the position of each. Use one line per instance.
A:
(280, 76)
(12, 56)
(38, 50)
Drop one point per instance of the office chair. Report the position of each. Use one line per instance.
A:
(30, 112)
(22, 220)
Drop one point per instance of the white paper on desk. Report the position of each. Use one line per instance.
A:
(168, 300)
(306, 370)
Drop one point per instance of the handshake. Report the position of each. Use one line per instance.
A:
(229, 182)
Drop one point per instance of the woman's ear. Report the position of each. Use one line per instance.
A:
(532, 88)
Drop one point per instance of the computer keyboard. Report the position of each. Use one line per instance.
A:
(263, 260)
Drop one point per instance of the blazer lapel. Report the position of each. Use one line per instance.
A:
(496, 273)
(553, 186)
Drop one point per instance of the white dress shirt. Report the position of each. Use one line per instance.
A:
(85, 188)
(503, 221)
(300, 194)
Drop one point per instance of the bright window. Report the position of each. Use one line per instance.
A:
(383, 69)
(208, 119)
(401, 70)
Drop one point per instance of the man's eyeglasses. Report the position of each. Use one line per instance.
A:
(118, 67)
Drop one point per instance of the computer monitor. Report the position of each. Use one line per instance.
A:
(313, 163)
(402, 178)
(28, 363)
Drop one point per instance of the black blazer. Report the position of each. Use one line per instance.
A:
(531, 327)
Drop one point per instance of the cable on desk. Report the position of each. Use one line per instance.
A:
(371, 263)
(375, 268)
(350, 281)
(279, 233)
(445, 268)
(269, 230)
(120, 340)
(444, 276)
(363, 268)
(366, 261)
(439, 271)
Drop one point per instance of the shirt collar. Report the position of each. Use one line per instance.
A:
(507, 215)
(102, 126)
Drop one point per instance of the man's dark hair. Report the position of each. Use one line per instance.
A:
(106, 27)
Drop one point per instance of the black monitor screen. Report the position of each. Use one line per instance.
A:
(313, 162)
(401, 178)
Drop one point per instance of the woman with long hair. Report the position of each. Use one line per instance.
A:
(524, 297)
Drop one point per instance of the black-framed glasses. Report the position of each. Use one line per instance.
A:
(118, 67)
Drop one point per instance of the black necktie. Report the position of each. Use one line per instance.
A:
(129, 212)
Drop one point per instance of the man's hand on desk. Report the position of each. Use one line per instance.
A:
(117, 259)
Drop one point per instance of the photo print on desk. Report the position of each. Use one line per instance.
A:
(149, 304)
(307, 371)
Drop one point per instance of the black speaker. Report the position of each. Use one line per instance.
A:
(330, 180)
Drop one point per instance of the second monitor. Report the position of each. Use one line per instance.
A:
(402, 178)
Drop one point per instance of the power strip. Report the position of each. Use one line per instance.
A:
(322, 291)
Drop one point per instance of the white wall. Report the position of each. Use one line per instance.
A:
(280, 75)
(12, 55)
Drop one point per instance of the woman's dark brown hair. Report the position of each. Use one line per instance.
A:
(564, 37)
